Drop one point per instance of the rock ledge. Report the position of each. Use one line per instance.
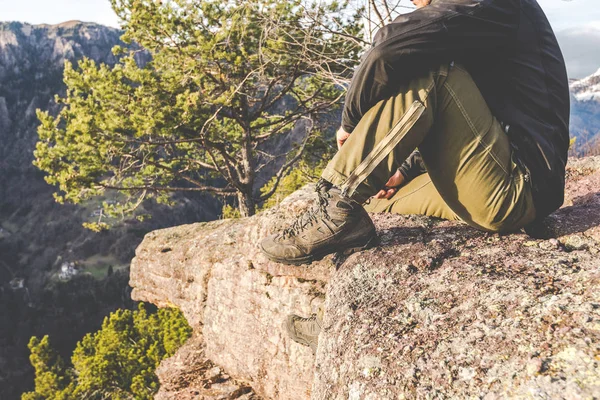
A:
(439, 310)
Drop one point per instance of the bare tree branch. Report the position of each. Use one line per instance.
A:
(152, 188)
(285, 167)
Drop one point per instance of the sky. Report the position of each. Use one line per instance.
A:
(563, 14)
(576, 23)
(57, 11)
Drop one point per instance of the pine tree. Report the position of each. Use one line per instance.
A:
(225, 78)
(117, 362)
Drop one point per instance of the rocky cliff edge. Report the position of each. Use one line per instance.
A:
(438, 310)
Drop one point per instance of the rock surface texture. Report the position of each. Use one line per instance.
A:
(438, 310)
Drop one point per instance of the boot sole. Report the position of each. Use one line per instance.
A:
(374, 241)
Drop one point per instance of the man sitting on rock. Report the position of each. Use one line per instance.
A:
(480, 87)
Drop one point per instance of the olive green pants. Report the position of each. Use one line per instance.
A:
(473, 174)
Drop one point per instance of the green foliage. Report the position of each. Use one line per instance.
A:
(229, 211)
(51, 379)
(96, 226)
(201, 110)
(117, 362)
(298, 177)
(309, 169)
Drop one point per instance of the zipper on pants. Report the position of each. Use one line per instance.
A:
(383, 148)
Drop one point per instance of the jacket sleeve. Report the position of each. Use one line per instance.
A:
(413, 166)
(443, 31)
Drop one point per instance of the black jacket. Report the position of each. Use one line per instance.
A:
(510, 50)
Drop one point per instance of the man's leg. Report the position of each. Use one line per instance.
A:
(468, 156)
(339, 223)
(419, 196)
(385, 136)
(472, 174)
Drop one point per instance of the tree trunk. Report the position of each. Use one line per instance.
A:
(246, 204)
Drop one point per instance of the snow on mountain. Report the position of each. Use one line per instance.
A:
(585, 113)
(587, 89)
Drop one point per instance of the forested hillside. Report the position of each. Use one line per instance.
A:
(56, 277)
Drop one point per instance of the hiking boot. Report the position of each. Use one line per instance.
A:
(336, 224)
(304, 330)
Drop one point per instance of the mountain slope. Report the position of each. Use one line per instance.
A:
(38, 236)
(587, 89)
(585, 112)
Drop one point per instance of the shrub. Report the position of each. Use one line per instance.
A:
(117, 362)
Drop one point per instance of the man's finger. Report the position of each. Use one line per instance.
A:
(390, 193)
(386, 193)
(380, 195)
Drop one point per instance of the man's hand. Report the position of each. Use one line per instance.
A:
(421, 3)
(391, 187)
(341, 137)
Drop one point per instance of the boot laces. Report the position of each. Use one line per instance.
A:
(310, 216)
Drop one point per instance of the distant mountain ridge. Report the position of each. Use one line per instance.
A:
(31, 65)
(23, 44)
(585, 112)
(587, 89)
